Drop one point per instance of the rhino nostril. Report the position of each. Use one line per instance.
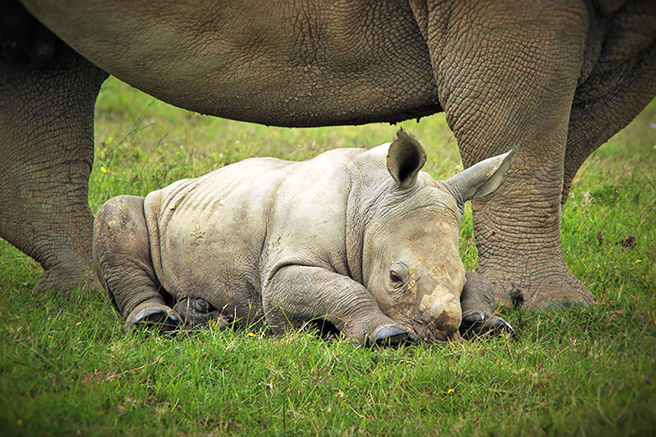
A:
(421, 318)
(449, 321)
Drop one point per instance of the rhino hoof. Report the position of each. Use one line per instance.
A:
(201, 305)
(198, 312)
(566, 304)
(502, 326)
(389, 335)
(475, 324)
(471, 318)
(160, 317)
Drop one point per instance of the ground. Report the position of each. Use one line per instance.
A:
(67, 367)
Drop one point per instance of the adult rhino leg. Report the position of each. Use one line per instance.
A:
(621, 84)
(46, 153)
(506, 75)
(121, 254)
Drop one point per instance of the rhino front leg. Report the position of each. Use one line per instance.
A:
(297, 294)
(478, 304)
(121, 254)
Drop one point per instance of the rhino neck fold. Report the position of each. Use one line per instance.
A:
(366, 189)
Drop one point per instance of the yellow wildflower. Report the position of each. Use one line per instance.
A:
(103, 169)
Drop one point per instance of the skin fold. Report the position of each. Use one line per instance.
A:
(552, 80)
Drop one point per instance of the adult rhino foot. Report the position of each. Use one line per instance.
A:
(476, 324)
(152, 315)
(199, 312)
(565, 292)
(555, 288)
(388, 335)
(67, 277)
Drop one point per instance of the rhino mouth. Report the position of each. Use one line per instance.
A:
(427, 330)
(433, 336)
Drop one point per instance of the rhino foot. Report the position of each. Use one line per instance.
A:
(388, 335)
(153, 316)
(67, 277)
(476, 324)
(556, 289)
(198, 312)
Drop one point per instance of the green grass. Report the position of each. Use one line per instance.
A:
(66, 366)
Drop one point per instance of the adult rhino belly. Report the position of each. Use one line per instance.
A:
(206, 234)
(280, 63)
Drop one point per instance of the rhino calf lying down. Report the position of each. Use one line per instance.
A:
(359, 238)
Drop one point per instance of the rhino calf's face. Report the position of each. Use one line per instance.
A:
(414, 268)
(411, 261)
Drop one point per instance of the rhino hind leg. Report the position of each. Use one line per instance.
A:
(124, 267)
(47, 97)
(152, 314)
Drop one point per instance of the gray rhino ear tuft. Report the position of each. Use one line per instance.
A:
(405, 158)
(480, 179)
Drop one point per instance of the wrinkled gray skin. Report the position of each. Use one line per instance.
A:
(359, 238)
(551, 79)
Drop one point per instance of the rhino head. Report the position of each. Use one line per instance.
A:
(411, 262)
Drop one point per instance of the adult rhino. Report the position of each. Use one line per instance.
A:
(551, 79)
(359, 238)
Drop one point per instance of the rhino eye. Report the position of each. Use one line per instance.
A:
(399, 274)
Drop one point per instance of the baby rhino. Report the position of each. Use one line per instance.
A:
(358, 238)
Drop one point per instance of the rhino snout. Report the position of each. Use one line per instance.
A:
(448, 313)
(444, 315)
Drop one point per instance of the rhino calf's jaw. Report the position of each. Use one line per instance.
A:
(360, 238)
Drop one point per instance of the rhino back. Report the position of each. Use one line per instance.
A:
(206, 233)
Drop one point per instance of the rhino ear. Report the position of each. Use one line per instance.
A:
(405, 158)
(480, 179)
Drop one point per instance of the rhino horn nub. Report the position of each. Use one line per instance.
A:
(443, 307)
